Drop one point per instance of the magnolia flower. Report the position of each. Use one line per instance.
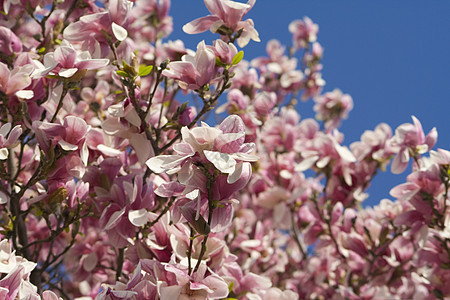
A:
(9, 42)
(224, 51)
(410, 137)
(303, 32)
(193, 72)
(332, 107)
(66, 61)
(223, 147)
(14, 82)
(8, 138)
(226, 16)
(94, 30)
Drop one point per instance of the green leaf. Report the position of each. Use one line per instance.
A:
(237, 58)
(122, 73)
(144, 70)
(42, 50)
(230, 287)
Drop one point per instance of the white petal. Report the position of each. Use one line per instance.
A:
(67, 146)
(66, 73)
(108, 150)
(84, 154)
(3, 198)
(161, 163)
(138, 217)
(119, 32)
(306, 163)
(222, 161)
(245, 157)
(3, 153)
(233, 177)
(344, 152)
(193, 195)
(25, 94)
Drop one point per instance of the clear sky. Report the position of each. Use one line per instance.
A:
(392, 57)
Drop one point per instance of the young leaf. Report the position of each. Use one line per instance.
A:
(237, 58)
(144, 70)
(122, 73)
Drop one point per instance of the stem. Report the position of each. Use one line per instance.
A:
(189, 253)
(120, 260)
(165, 210)
(295, 235)
(209, 185)
(60, 103)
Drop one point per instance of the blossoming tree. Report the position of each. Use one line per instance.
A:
(111, 188)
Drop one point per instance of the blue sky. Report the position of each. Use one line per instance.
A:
(392, 57)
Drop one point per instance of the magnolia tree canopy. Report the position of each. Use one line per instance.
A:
(113, 187)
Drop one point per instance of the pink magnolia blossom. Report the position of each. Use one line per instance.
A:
(16, 81)
(193, 72)
(304, 32)
(155, 10)
(66, 62)
(226, 15)
(223, 147)
(411, 140)
(9, 42)
(332, 107)
(94, 30)
(8, 138)
(224, 51)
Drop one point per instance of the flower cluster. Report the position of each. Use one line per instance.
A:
(113, 185)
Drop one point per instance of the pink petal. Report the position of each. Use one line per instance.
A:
(221, 218)
(431, 138)
(66, 56)
(90, 262)
(92, 64)
(218, 285)
(400, 162)
(199, 25)
(76, 129)
(49, 295)
(114, 217)
(181, 70)
(205, 62)
(169, 189)
(232, 124)
(234, 12)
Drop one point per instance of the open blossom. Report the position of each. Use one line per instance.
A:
(66, 61)
(95, 29)
(332, 107)
(14, 82)
(224, 51)
(157, 12)
(223, 147)
(304, 32)
(8, 138)
(410, 137)
(226, 18)
(193, 72)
